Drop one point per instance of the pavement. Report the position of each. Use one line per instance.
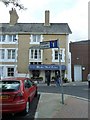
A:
(50, 106)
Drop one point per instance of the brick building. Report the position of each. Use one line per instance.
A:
(80, 58)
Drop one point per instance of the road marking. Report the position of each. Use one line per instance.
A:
(81, 98)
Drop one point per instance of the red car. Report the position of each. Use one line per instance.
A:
(16, 94)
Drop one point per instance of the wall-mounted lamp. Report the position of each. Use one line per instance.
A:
(77, 58)
(83, 68)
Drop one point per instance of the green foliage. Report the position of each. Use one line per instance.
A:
(53, 77)
(65, 80)
(37, 78)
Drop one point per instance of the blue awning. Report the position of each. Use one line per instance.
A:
(46, 67)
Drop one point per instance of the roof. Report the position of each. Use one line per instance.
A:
(39, 28)
(81, 42)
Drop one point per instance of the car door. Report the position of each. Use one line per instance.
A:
(29, 90)
(32, 89)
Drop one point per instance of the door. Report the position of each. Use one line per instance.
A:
(77, 73)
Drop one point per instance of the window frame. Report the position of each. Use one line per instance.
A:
(36, 55)
(36, 38)
(11, 72)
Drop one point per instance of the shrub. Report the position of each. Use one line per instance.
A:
(65, 80)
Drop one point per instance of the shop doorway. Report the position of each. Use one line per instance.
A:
(49, 74)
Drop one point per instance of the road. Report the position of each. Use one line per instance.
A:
(79, 90)
(70, 89)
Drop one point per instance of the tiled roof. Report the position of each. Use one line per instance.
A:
(54, 28)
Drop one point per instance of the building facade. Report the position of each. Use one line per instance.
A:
(17, 39)
(80, 57)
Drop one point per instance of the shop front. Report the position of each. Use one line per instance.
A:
(40, 71)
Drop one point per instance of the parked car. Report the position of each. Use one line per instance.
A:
(16, 94)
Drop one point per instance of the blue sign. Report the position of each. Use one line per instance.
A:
(46, 67)
(49, 44)
(54, 44)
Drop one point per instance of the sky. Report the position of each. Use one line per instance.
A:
(73, 12)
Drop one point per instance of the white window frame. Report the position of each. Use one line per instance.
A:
(2, 54)
(36, 42)
(1, 38)
(6, 41)
(6, 55)
(63, 55)
(12, 72)
(5, 69)
(11, 52)
(32, 55)
(12, 60)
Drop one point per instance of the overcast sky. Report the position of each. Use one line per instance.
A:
(73, 12)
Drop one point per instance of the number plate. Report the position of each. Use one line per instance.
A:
(3, 97)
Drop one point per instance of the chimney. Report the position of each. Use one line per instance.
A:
(13, 16)
(47, 18)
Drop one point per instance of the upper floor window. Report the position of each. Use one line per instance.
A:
(11, 38)
(2, 38)
(7, 39)
(2, 53)
(11, 53)
(35, 39)
(35, 54)
(56, 55)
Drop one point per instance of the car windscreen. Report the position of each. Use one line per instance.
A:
(9, 86)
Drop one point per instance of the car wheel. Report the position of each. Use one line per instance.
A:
(27, 108)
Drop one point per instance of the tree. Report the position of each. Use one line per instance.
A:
(15, 3)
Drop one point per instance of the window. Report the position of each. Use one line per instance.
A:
(36, 38)
(39, 53)
(11, 53)
(8, 38)
(11, 38)
(35, 54)
(10, 72)
(1, 71)
(2, 53)
(56, 55)
(9, 86)
(27, 83)
(2, 38)
(14, 38)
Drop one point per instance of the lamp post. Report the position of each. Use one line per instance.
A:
(60, 78)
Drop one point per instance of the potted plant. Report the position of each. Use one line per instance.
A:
(65, 80)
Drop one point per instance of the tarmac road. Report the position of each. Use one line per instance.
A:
(79, 89)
